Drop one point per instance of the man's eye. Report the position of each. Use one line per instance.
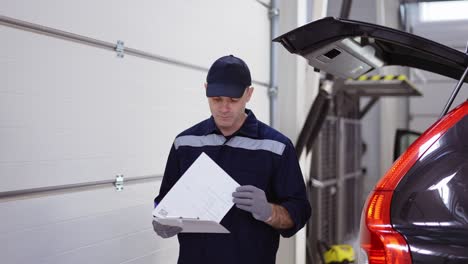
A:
(234, 100)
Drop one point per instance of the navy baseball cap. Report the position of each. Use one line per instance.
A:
(229, 76)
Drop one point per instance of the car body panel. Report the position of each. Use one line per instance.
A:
(430, 204)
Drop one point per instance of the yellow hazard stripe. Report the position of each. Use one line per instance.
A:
(389, 77)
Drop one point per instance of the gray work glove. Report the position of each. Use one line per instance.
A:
(165, 231)
(253, 200)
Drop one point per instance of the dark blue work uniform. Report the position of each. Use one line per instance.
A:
(255, 155)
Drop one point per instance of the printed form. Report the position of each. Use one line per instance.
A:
(199, 200)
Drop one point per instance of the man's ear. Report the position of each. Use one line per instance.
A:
(249, 92)
(206, 85)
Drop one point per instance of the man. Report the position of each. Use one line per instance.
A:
(271, 199)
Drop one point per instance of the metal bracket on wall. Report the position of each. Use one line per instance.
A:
(273, 91)
(119, 181)
(120, 48)
(273, 12)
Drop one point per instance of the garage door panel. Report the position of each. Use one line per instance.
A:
(73, 121)
(20, 215)
(120, 116)
(167, 255)
(144, 247)
(175, 29)
(54, 225)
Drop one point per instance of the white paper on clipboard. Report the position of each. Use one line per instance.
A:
(200, 198)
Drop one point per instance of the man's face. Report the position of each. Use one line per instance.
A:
(229, 113)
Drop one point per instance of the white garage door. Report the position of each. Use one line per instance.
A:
(74, 116)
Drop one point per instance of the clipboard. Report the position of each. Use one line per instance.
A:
(199, 200)
(193, 225)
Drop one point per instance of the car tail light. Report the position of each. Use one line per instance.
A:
(378, 239)
(382, 243)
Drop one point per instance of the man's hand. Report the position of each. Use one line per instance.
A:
(253, 200)
(165, 231)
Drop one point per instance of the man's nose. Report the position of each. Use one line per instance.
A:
(225, 105)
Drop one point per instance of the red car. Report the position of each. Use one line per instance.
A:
(418, 211)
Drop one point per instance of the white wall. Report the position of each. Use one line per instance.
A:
(393, 110)
(72, 113)
(424, 111)
(297, 88)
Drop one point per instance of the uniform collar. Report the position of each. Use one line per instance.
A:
(249, 128)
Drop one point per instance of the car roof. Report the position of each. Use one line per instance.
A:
(388, 46)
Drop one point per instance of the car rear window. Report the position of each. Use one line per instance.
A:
(434, 193)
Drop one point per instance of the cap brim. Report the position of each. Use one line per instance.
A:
(226, 90)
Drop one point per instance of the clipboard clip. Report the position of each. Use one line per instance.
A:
(182, 218)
